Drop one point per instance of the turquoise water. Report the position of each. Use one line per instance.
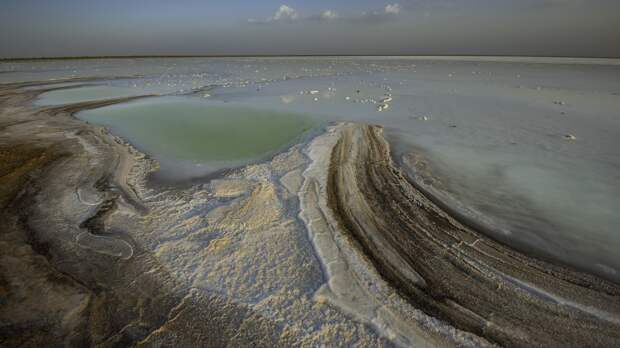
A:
(82, 94)
(190, 137)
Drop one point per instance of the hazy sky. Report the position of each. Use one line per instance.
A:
(34, 28)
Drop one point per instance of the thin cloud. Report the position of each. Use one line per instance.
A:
(329, 15)
(284, 13)
(392, 9)
(287, 14)
(389, 12)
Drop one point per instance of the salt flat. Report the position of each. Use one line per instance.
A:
(515, 157)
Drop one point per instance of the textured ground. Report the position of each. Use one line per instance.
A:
(92, 256)
(454, 273)
(325, 245)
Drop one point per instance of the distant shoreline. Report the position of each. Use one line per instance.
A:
(435, 57)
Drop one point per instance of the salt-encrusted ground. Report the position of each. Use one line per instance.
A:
(94, 256)
(327, 244)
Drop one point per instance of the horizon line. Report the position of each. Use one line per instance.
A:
(7, 59)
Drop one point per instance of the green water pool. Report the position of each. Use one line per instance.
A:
(188, 135)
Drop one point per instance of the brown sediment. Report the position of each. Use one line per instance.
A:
(454, 273)
(17, 163)
(54, 292)
(15, 86)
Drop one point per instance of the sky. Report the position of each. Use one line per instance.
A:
(46, 28)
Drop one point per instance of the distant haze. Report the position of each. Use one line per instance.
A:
(576, 28)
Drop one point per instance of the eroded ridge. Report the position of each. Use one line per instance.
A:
(450, 271)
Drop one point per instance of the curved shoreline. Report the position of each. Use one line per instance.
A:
(454, 273)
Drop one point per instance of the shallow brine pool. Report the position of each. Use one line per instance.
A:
(191, 137)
